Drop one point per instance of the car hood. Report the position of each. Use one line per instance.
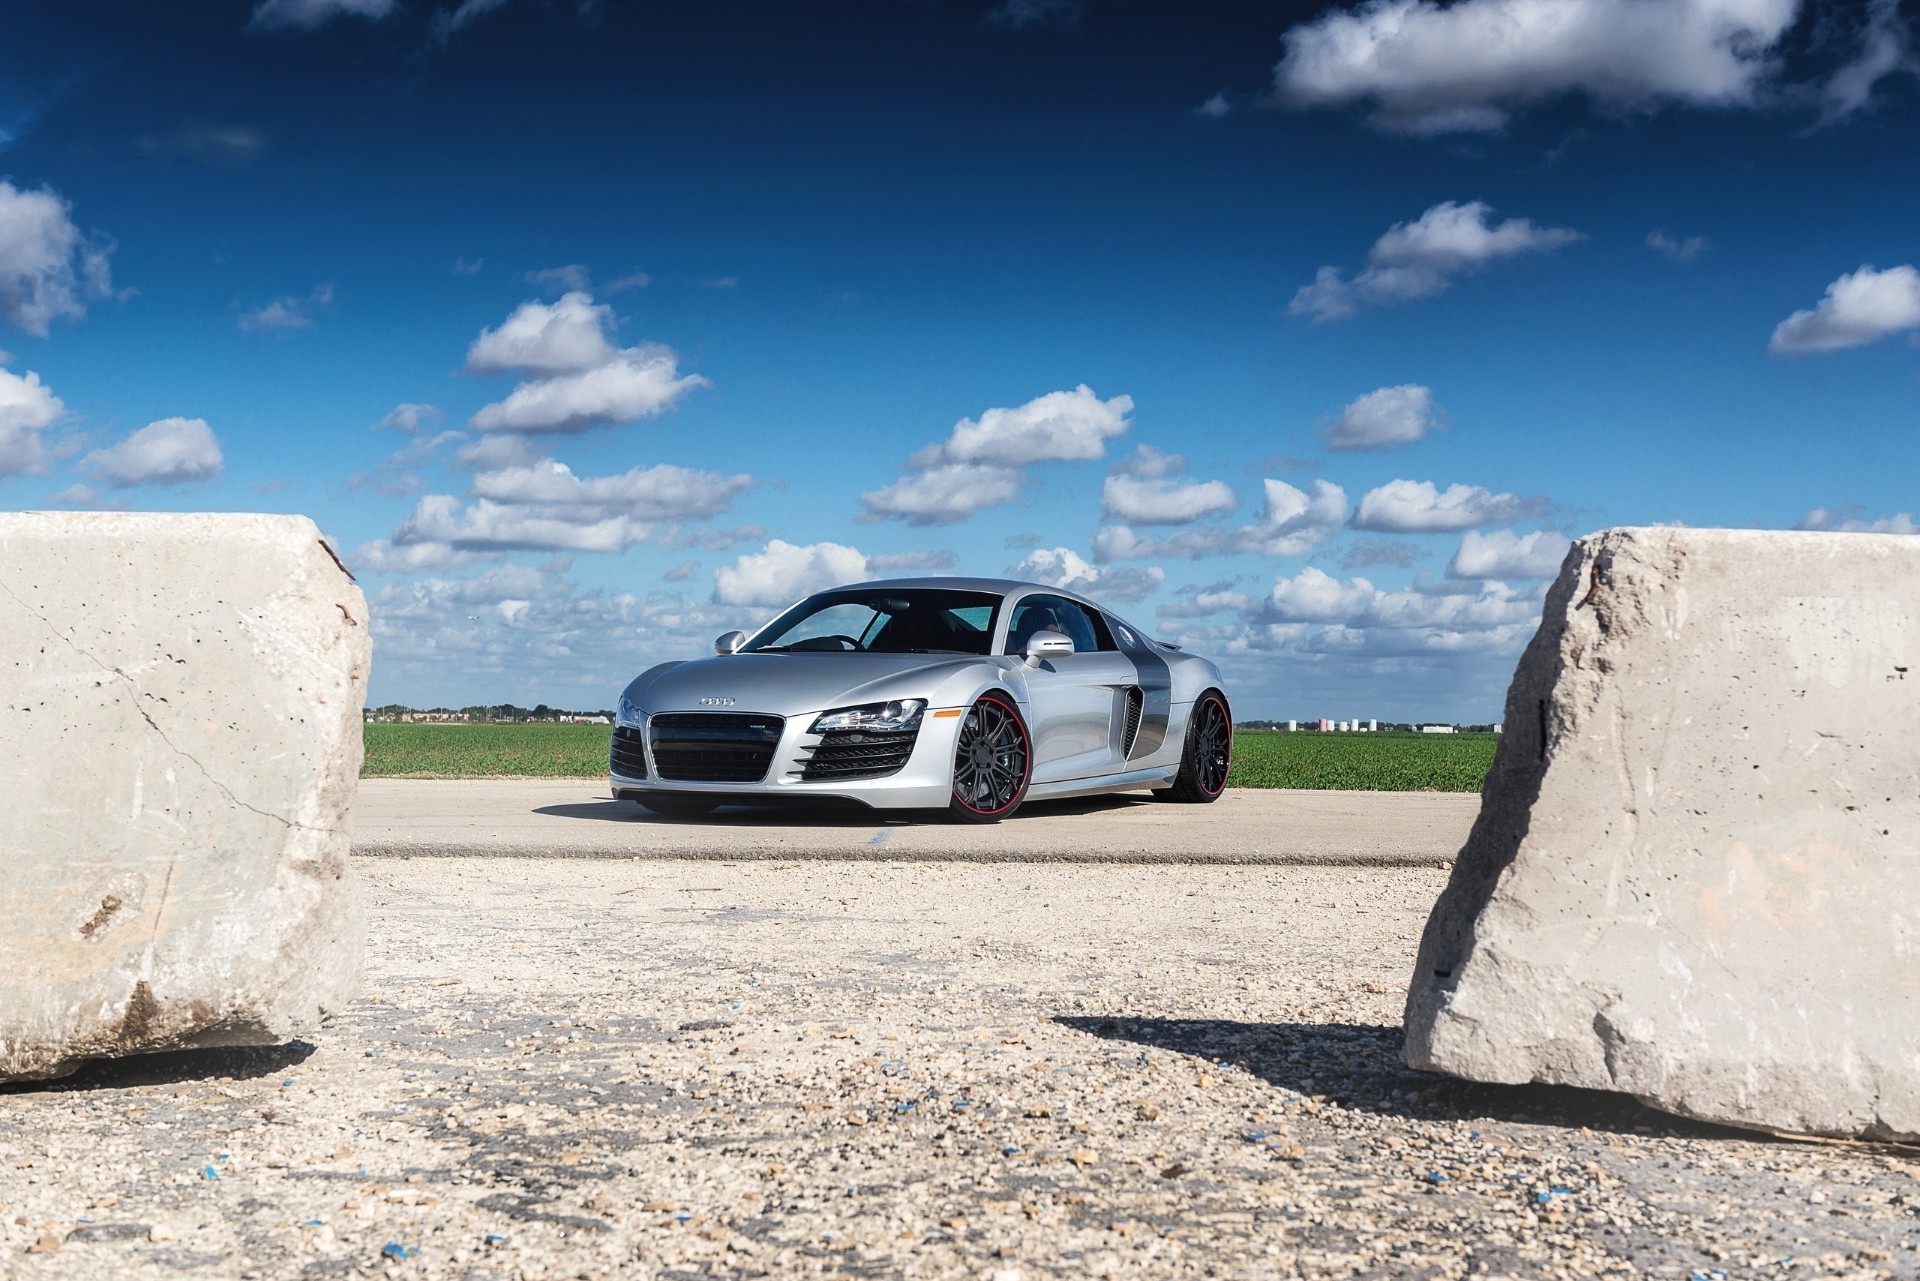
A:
(789, 684)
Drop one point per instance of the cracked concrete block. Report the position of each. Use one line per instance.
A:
(180, 722)
(1695, 877)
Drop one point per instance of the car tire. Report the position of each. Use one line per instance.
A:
(992, 762)
(678, 809)
(1207, 758)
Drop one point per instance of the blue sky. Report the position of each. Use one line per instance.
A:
(1303, 335)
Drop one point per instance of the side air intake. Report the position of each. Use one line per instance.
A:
(1130, 729)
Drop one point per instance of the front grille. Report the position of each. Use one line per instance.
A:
(852, 753)
(714, 747)
(1136, 700)
(628, 758)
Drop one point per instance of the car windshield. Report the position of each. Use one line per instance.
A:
(911, 620)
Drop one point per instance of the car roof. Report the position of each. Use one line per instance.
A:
(997, 586)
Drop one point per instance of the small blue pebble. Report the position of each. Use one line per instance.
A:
(683, 1218)
(1560, 1191)
(1256, 1136)
(314, 1223)
(903, 1107)
(494, 1238)
(1009, 1151)
(1434, 1176)
(288, 1081)
(208, 1172)
(394, 1250)
(1543, 1197)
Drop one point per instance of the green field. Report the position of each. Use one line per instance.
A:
(1364, 762)
(486, 751)
(1367, 762)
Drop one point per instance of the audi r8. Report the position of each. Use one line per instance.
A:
(964, 695)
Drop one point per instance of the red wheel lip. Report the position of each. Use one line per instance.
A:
(1216, 791)
(1026, 741)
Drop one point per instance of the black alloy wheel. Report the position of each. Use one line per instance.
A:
(992, 763)
(1209, 753)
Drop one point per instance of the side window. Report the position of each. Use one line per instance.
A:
(1057, 614)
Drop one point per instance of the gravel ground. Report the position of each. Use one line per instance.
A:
(573, 1068)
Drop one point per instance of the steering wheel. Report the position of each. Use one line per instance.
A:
(849, 641)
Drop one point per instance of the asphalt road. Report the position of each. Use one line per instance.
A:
(413, 818)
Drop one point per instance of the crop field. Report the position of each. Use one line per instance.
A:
(1364, 762)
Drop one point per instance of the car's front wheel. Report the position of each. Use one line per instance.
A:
(1209, 753)
(992, 762)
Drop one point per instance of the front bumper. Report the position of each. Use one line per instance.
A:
(924, 782)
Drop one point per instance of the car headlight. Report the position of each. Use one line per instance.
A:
(630, 713)
(897, 717)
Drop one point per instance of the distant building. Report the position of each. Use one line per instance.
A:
(1373, 727)
(1436, 729)
(1292, 726)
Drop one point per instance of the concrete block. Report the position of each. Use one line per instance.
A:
(1695, 877)
(180, 721)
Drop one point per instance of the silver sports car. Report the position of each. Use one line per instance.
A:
(968, 695)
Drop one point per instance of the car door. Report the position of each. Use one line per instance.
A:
(1072, 699)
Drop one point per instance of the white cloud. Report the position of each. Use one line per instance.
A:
(284, 315)
(489, 453)
(1063, 567)
(1858, 308)
(1061, 426)
(305, 15)
(172, 451)
(1420, 507)
(1384, 419)
(783, 572)
(1464, 67)
(1163, 501)
(1679, 250)
(1214, 108)
(409, 416)
(1293, 523)
(1312, 613)
(978, 465)
(1146, 460)
(660, 492)
(48, 270)
(27, 407)
(561, 337)
(1886, 49)
(382, 557)
(942, 495)
(1197, 601)
(1502, 553)
(640, 383)
(576, 377)
(1420, 259)
(1849, 522)
(543, 506)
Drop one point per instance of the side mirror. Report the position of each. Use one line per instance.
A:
(729, 642)
(1044, 645)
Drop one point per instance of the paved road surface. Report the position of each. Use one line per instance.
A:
(576, 818)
